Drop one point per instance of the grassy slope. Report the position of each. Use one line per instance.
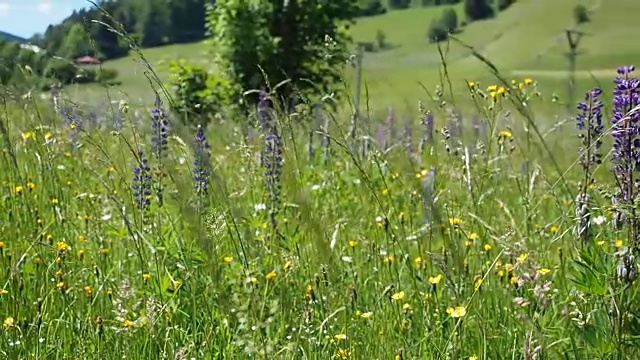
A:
(525, 39)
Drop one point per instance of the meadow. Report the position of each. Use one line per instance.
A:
(499, 228)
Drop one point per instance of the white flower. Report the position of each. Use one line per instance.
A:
(599, 220)
(258, 207)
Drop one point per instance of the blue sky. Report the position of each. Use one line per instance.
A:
(27, 17)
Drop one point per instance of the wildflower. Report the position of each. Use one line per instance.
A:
(626, 152)
(228, 259)
(160, 125)
(543, 271)
(435, 280)
(366, 315)
(553, 229)
(472, 236)
(342, 353)
(478, 282)
(271, 275)
(3, 292)
(146, 277)
(457, 312)
(487, 247)
(618, 243)
(505, 134)
(127, 323)
(8, 322)
(455, 221)
(142, 182)
(30, 184)
(62, 246)
(417, 261)
(523, 257)
(398, 296)
(18, 189)
(528, 81)
(88, 290)
(627, 269)
(60, 285)
(201, 162)
(353, 243)
(272, 161)
(339, 337)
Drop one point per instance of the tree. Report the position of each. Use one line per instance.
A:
(399, 4)
(437, 31)
(299, 41)
(477, 9)
(76, 43)
(449, 20)
(580, 14)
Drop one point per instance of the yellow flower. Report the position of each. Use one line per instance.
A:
(62, 246)
(455, 221)
(8, 322)
(54, 201)
(18, 189)
(522, 257)
(472, 236)
(619, 243)
(60, 285)
(353, 243)
(88, 290)
(271, 275)
(417, 261)
(406, 307)
(473, 357)
(600, 242)
(471, 84)
(508, 267)
(487, 247)
(3, 292)
(342, 354)
(385, 191)
(457, 312)
(127, 323)
(31, 185)
(366, 315)
(544, 271)
(398, 296)
(501, 90)
(434, 280)
(528, 81)
(146, 276)
(339, 337)
(492, 88)
(228, 259)
(505, 134)
(553, 229)
(514, 280)
(478, 282)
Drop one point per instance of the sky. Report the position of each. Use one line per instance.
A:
(27, 17)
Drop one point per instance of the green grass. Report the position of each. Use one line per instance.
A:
(364, 256)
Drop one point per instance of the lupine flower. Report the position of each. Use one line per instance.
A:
(391, 125)
(626, 149)
(627, 271)
(142, 182)
(160, 125)
(201, 163)
(427, 135)
(589, 122)
(272, 162)
(264, 116)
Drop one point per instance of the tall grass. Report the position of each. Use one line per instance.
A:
(135, 236)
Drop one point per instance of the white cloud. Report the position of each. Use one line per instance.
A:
(4, 9)
(44, 7)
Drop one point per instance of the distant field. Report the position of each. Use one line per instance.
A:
(527, 40)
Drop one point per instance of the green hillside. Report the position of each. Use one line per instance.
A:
(527, 39)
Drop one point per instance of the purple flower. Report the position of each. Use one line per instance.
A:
(201, 163)
(589, 122)
(142, 182)
(625, 130)
(160, 125)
